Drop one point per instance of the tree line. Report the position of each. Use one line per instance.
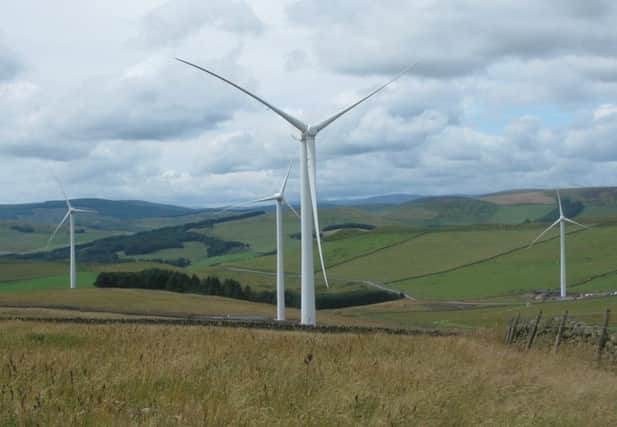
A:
(145, 242)
(570, 209)
(174, 281)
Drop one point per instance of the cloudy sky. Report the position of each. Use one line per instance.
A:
(503, 94)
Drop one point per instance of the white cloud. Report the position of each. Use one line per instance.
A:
(504, 94)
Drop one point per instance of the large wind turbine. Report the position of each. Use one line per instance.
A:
(308, 191)
(562, 241)
(279, 199)
(69, 215)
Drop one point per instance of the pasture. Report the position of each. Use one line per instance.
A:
(68, 374)
(487, 266)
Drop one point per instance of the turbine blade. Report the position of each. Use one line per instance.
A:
(285, 180)
(326, 122)
(313, 191)
(571, 221)
(81, 210)
(544, 232)
(298, 124)
(559, 202)
(66, 199)
(291, 208)
(58, 228)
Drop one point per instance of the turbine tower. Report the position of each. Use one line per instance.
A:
(308, 192)
(562, 242)
(279, 199)
(69, 215)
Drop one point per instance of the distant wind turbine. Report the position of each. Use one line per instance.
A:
(562, 241)
(69, 215)
(308, 190)
(279, 199)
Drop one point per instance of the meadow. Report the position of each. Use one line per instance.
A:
(68, 374)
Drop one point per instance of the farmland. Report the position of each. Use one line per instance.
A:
(440, 260)
(470, 279)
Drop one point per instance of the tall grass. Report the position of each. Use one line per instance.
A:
(162, 375)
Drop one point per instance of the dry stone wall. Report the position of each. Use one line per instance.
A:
(574, 333)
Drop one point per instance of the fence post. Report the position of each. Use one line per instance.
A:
(560, 331)
(509, 330)
(534, 330)
(513, 329)
(602, 339)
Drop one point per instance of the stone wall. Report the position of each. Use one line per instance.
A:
(574, 333)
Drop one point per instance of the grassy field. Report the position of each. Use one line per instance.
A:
(15, 241)
(20, 270)
(589, 253)
(433, 252)
(58, 375)
(85, 279)
(488, 264)
(159, 303)
(436, 314)
(337, 249)
(137, 301)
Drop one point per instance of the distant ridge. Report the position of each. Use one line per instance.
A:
(120, 209)
(386, 199)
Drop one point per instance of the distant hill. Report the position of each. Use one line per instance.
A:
(520, 197)
(386, 199)
(452, 210)
(47, 212)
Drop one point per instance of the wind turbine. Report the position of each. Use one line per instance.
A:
(562, 241)
(308, 191)
(69, 215)
(279, 200)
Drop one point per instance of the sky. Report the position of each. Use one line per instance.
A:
(501, 95)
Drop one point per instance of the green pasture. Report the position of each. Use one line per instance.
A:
(16, 241)
(85, 279)
(354, 244)
(20, 270)
(434, 252)
(589, 253)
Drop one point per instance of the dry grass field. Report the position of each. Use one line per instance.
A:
(85, 375)
(94, 302)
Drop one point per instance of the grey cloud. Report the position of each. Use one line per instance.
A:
(175, 20)
(452, 40)
(10, 63)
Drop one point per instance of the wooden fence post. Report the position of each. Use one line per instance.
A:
(603, 334)
(534, 330)
(509, 330)
(564, 318)
(513, 329)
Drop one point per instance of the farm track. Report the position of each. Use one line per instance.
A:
(220, 321)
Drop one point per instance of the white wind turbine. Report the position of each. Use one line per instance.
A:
(562, 241)
(308, 191)
(69, 215)
(279, 199)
